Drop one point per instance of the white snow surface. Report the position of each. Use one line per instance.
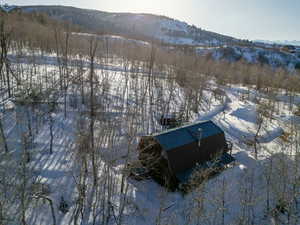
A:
(236, 116)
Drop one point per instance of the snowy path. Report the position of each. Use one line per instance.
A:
(216, 111)
(238, 119)
(271, 135)
(52, 61)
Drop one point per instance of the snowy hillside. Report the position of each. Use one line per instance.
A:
(119, 95)
(265, 56)
(295, 43)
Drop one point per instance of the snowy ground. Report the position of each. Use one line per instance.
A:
(149, 202)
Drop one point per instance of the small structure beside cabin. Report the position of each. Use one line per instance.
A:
(172, 156)
(170, 120)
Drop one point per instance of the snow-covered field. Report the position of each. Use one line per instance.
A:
(126, 111)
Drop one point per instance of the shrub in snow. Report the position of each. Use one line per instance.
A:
(63, 205)
(26, 97)
(281, 207)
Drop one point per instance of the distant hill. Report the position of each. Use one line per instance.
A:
(168, 31)
(144, 26)
(285, 42)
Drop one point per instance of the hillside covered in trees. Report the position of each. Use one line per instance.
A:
(171, 33)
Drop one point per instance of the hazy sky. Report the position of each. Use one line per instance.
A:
(249, 19)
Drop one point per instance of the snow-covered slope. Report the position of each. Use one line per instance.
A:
(285, 42)
(266, 56)
(146, 202)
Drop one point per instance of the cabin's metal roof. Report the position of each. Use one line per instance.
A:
(177, 137)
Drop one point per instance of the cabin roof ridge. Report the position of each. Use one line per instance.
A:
(182, 127)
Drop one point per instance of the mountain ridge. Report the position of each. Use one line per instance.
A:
(149, 26)
(167, 31)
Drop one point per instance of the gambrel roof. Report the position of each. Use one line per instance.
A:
(178, 137)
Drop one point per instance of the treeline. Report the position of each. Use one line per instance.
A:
(39, 31)
(33, 30)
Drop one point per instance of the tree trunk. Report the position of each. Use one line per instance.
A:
(3, 137)
(51, 133)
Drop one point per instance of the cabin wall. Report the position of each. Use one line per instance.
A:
(179, 159)
(185, 157)
(151, 157)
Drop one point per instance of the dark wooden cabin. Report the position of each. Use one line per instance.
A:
(172, 155)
